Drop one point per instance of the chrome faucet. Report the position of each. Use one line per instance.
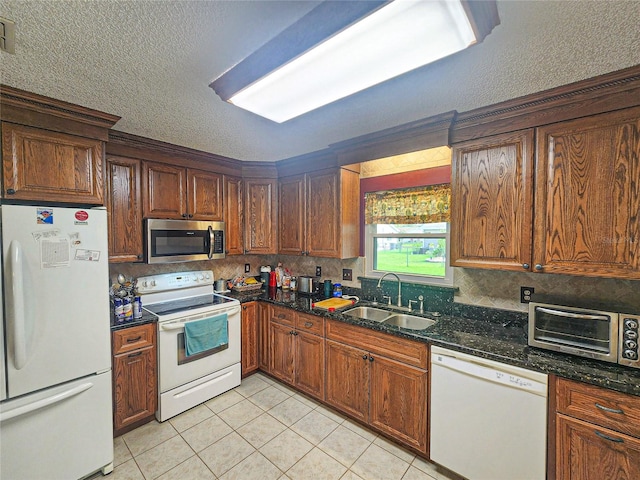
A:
(399, 304)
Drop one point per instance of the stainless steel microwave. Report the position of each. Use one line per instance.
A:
(592, 333)
(171, 241)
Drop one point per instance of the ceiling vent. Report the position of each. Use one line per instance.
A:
(7, 35)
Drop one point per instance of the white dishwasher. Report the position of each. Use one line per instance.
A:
(488, 419)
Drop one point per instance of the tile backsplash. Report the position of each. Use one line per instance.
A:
(476, 287)
(500, 289)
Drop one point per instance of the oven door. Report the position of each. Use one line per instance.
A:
(175, 369)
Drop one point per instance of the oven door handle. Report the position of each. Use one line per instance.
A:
(561, 313)
(178, 326)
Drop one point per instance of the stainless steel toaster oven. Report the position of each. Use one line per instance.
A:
(598, 334)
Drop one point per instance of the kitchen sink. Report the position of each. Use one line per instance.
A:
(408, 321)
(368, 313)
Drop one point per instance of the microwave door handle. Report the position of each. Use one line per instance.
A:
(211, 242)
(561, 313)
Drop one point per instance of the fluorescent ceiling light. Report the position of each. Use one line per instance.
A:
(396, 38)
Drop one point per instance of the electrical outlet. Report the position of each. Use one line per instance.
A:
(347, 274)
(525, 294)
(247, 267)
(318, 271)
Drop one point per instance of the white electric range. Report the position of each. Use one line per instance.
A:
(186, 381)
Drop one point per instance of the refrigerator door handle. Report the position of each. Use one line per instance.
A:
(17, 314)
(45, 402)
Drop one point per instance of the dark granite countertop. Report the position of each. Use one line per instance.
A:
(481, 334)
(146, 318)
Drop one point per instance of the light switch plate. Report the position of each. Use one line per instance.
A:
(347, 274)
(247, 268)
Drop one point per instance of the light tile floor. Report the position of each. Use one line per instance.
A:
(263, 430)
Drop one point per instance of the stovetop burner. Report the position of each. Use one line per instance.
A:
(186, 304)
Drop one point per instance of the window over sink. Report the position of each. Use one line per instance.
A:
(407, 233)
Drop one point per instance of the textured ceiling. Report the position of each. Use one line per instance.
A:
(150, 62)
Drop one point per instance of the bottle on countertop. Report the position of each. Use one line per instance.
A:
(118, 310)
(128, 309)
(137, 307)
(337, 290)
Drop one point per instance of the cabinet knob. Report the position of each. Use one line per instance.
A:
(370, 358)
(139, 257)
(184, 215)
(526, 266)
(538, 267)
(365, 356)
(190, 215)
(11, 191)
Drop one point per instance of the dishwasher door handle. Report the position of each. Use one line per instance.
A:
(489, 373)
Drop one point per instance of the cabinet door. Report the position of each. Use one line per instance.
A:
(588, 196)
(282, 352)
(164, 191)
(233, 216)
(124, 209)
(51, 167)
(587, 452)
(135, 386)
(292, 213)
(309, 364)
(492, 202)
(260, 218)
(348, 379)
(205, 195)
(323, 215)
(249, 342)
(399, 401)
(264, 317)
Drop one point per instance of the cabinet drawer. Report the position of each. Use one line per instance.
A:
(286, 316)
(403, 350)
(614, 410)
(133, 338)
(310, 323)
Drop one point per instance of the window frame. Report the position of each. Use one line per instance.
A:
(369, 236)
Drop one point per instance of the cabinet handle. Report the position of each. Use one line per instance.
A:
(131, 355)
(139, 257)
(370, 358)
(190, 215)
(291, 332)
(11, 191)
(526, 266)
(184, 215)
(281, 315)
(308, 324)
(365, 356)
(607, 437)
(610, 410)
(538, 266)
(131, 340)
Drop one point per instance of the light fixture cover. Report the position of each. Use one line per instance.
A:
(395, 38)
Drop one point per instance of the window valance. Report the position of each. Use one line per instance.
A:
(428, 204)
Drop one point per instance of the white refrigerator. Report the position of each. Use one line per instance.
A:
(55, 395)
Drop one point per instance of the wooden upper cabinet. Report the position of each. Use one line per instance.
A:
(492, 202)
(320, 214)
(165, 191)
(205, 195)
(588, 196)
(292, 214)
(49, 166)
(233, 215)
(260, 215)
(124, 209)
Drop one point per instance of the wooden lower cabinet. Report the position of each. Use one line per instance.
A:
(297, 355)
(388, 394)
(597, 433)
(348, 380)
(249, 338)
(264, 349)
(398, 404)
(135, 385)
(587, 452)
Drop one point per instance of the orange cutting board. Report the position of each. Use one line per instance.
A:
(334, 303)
